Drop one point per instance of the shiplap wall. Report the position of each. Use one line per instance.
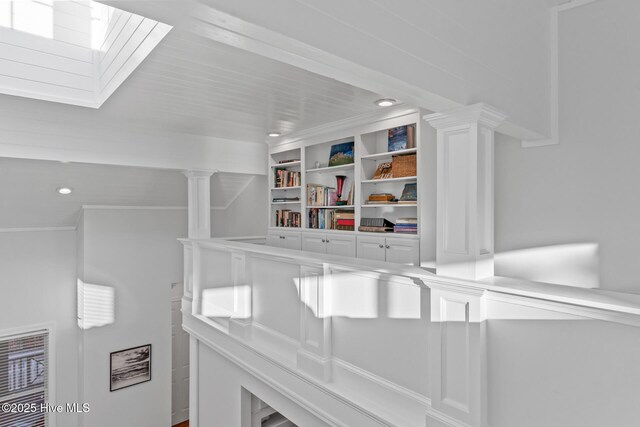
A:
(65, 69)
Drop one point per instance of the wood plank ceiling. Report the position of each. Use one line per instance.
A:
(193, 85)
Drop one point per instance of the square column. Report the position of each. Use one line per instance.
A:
(465, 144)
(199, 194)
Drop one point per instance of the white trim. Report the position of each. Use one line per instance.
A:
(445, 419)
(554, 74)
(154, 208)
(244, 187)
(588, 313)
(37, 229)
(296, 398)
(382, 382)
(573, 4)
(359, 120)
(554, 83)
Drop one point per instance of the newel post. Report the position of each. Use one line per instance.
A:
(465, 144)
(199, 204)
(199, 217)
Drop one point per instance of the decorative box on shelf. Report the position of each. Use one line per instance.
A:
(404, 165)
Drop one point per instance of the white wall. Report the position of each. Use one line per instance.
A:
(582, 191)
(136, 253)
(38, 286)
(246, 216)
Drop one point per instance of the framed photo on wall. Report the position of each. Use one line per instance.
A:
(130, 367)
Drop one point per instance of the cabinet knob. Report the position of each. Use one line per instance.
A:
(381, 246)
(387, 246)
(326, 241)
(282, 237)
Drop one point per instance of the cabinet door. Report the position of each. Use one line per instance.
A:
(314, 242)
(292, 240)
(273, 239)
(403, 251)
(341, 245)
(371, 248)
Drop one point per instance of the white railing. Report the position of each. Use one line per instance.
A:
(401, 346)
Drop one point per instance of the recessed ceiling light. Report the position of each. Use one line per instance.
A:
(64, 190)
(385, 102)
(274, 134)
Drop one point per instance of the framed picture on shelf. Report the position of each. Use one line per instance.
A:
(401, 138)
(341, 154)
(130, 367)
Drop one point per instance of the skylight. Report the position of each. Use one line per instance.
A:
(74, 52)
(84, 22)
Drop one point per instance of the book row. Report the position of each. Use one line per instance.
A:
(329, 219)
(288, 218)
(287, 178)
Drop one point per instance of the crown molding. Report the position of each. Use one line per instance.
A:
(344, 124)
(571, 4)
(36, 229)
(481, 113)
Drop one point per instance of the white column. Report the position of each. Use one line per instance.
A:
(315, 353)
(457, 356)
(194, 372)
(465, 190)
(240, 321)
(199, 183)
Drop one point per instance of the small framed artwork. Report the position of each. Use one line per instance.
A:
(130, 367)
(341, 154)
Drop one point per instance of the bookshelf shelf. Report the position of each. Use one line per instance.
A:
(287, 165)
(332, 169)
(389, 154)
(380, 181)
(286, 188)
(393, 205)
(332, 207)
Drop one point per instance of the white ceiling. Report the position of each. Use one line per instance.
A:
(188, 85)
(193, 85)
(28, 196)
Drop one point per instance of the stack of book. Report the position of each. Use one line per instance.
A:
(406, 225)
(345, 220)
(287, 178)
(375, 225)
(288, 218)
(281, 162)
(286, 199)
(381, 199)
(320, 195)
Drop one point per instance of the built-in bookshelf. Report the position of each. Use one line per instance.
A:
(381, 189)
(285, 196)
(409, 206)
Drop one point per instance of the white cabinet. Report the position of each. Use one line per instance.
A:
(371, 248)
(284, 239)
(332, 244)
(403, 251)
(391, 249)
